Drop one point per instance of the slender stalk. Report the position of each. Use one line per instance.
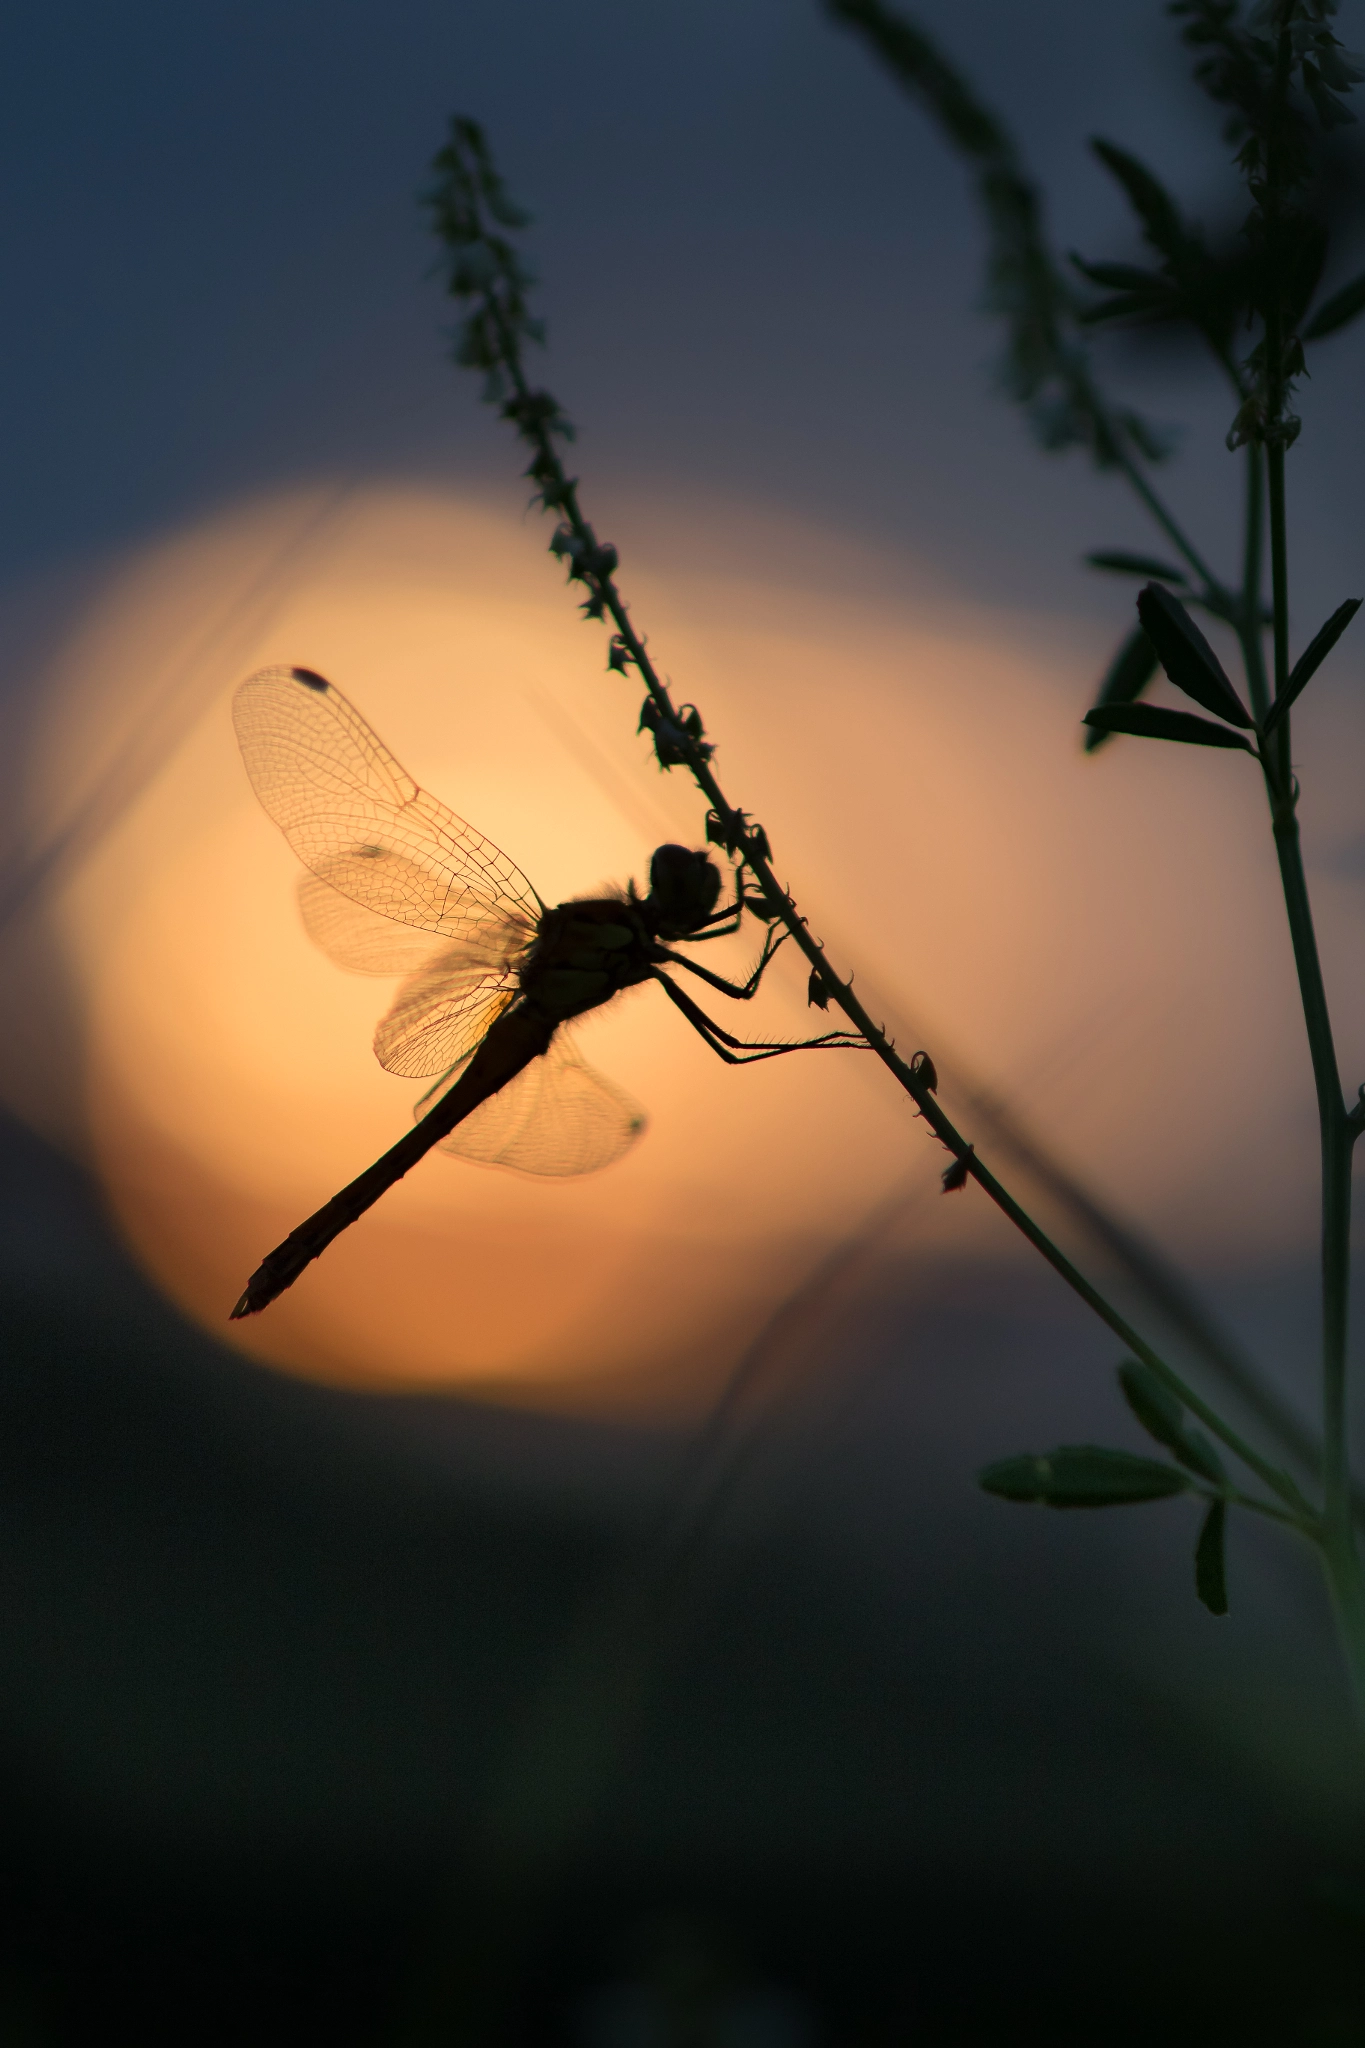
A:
(1337, 1128)
(1255, 77)
(491, 339)
(1249, 624)
(1235, 1498)
(1168, 523)
(1340, 1558)
(913, 1079)
(914, 1076)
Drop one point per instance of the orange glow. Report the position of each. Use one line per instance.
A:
(1044, 917)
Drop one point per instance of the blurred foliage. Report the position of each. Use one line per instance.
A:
(1307, 189)
(1274, 77)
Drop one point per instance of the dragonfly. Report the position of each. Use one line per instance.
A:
(397, 884)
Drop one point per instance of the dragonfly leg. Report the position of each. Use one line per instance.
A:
(723, 921)
(740, 991)
(728, 919)
(744, 1052)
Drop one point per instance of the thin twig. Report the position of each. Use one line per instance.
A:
(486, 272)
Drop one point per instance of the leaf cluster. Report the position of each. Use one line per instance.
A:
(469, 203)
(1245, 62)
(1167, 637)
(1207, 289)
(1045, 366)
(471, 209)
(1281, 76)
(678, 741)
(1278, 75)
(1093, 1476)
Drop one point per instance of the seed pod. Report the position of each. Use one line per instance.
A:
(923, 1068)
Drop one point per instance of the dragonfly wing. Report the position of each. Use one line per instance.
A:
(439, 1015)
(359, 821)
(558, 1117)
(363, 941)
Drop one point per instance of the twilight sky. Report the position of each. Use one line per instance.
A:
(761, 275)
(760, 272)
(759, 265)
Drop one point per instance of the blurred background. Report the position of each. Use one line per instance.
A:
(570, 1614)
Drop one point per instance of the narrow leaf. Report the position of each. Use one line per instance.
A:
(1156, 443)
(1153, 205)
(1082, 1476)
(1197, 1454)
(1186, 656)
(1154, 1405)
(1210, 1565)
(1126, 306)
(1127, 677)
(1154, 722)
(1312, 658)
(1163, 1417)
(1124, 564)
(1120, 277)
(1331, 111)
(1335, 312)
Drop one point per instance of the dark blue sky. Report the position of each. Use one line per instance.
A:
(759, 266)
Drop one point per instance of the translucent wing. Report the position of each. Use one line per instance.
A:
(361, 940)
(439, 1015)
(558, 1117)
(360, 822)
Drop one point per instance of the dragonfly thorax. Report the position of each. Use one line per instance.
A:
(587, 951)
(584, 953)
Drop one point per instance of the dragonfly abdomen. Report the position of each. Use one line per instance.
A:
(520, 1035)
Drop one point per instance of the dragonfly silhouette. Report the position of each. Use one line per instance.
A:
(399, 884)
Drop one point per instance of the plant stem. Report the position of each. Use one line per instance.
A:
(1340, 1558)
(1167, 521)
(913, 1078)
(1249, 625)
(492, 340)
(1337, 1132)
(1235, 1498)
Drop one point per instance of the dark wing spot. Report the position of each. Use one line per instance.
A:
(311, 677)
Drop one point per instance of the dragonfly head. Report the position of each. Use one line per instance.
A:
(683, 887)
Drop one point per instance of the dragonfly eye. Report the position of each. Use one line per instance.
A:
(683, 887)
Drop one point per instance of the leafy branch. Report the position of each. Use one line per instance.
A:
(1279, 77)
(486, 276)
(1048, 367)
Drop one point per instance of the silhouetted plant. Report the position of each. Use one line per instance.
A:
(1278, 77)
